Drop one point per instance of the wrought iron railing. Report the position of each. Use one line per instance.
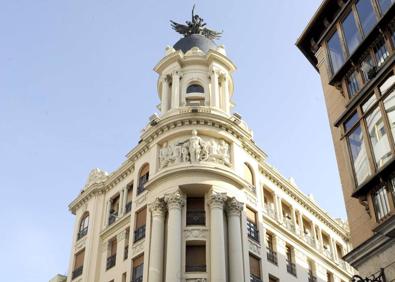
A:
(196, 217)
(272, 256)
(77, 272)
(254, 278)
(112, 218)
(111, 261)
(195, 268)
(252, 231)
(82, 233)
(139, 233)
(312, 277)
(137, 279)
(291, 268)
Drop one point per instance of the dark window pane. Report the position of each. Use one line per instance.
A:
(381, 205)
(368, 68)
(351, 121)
(352, 84)
(195, 88)
(385, 4)
(351, 33)
(358, 154)
(366, 15)
(380, 51)
(335, 52)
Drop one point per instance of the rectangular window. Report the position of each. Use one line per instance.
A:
(335, 52)
(291, 266)
(124, 277)
(112, 253)
(389, 105)
(358, 154)
(129, 198)
(126, 248)
(380, 51)
(78, 264)
(255, 269)
(273, 278)
(352, 84)
(139, 231)
(271, 254)
(367, 18)
(114, 208)
(195, 258)
(252, 228)
(368, 68)
(195, 211)
(311, 277)
(351, 33)
(380, 202)
(138, 269)
(385, 5)
(329, 276)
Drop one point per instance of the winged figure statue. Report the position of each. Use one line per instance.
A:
(196, 26)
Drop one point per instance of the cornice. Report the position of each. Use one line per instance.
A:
(276, 178)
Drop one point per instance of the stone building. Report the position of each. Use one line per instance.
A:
(196, 200)
(351, 44)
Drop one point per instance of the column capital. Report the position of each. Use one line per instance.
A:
(217, 200)
(157, 207)
(234, 207)
(175, 200)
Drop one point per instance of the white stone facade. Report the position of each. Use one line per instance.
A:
(197, 148)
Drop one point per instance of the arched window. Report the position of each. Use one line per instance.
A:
(143, 178)
(84, 223)
(195, 88)
(248, 175)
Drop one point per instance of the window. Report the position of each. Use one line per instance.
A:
(368, 69)
(195, 88)
(139, 231)
(385, 5)
(351, 33)
(248, 176)
(380, 51)
(335, 52)
(273, 278)
(143, 178)
(329, 276)
(114, 208)
(252, 228)
(195, 258)
(78, 264)
(255, 269)
(271, 254)
(352, 84)
(111, 253)
(129, 198)
(124, 277)
(83, 228)
(291, 266)
(138, 269)
(312, 277)
(366, 14)
(195, 211)
(380, 202)
(126, 249)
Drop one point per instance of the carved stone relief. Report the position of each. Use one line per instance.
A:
(138, 247)
(194, 149)
(195, 233)
(253, 247)
(96, 176)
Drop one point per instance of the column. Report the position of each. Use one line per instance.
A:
(107, 212)
(234, 209)
(125, 198)
(315, 234)
(320, 240)
(301, 223)
(120, 209)
(175, 100)
(157, 209)
(214, 89)
(293, 217)
(175, 202)
(279, 208)
(217, 237)
(226, 97)
(165, 96)
(333, 248)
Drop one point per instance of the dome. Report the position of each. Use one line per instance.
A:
(195, 40)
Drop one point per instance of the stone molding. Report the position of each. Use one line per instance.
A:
(175, 200)
(138, 248)
(234, 207)
(254, 247)
(217, 200)
(157, 207)
(195, 233)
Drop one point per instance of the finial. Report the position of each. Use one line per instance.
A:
(196, 26)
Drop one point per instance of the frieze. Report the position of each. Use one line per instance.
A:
(194, 149)
(254, 247)
(195, 233)
(80, 244)
(138, 247)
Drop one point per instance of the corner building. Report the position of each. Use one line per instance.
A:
(196, 200)
(351, 44)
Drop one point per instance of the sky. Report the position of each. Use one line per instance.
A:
(77, 87)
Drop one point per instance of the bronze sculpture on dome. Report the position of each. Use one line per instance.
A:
(196, 26)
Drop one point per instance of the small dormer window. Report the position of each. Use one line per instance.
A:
(195, 88)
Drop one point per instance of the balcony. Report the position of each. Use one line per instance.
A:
(312, 278)
(309, 240)
(252, 231)
(272, 256)
(126, 252)
(254, 278)
(291, 268)
(76, 272)
(140, 188)
(195, 268)
(112, 218)
(196, 217)
(289, 225)
(327, 252)
(269, 210)
(139, 233)
(82, 233)
(111, 261)
(137, 279)
(128, 207)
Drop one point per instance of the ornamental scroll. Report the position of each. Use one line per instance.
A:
(194, 149)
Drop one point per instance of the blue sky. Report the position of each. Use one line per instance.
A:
(77, 86)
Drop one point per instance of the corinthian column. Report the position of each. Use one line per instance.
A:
(175, 202)
(217, 237)
(157, 209)
(234, 209)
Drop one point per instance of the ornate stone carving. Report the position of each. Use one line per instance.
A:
(96, 176)
(194, 149)
(121, 235)
(138, 247)
(254, 247)
(217, 200)
(234, 207)
(175, 200)
(157, 207)
(195, 233)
